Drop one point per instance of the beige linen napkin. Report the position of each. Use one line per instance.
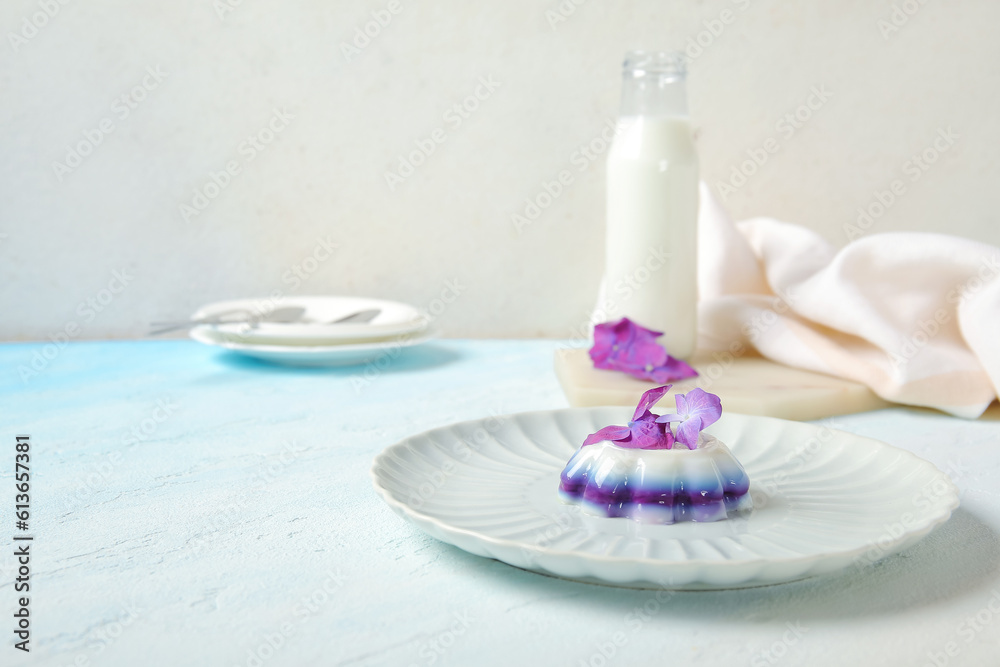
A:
(915, 316)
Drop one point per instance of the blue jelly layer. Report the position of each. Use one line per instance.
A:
(696, 490)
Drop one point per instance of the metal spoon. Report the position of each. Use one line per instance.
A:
(284, 315)
(360, 317)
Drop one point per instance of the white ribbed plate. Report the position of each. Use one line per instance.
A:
(308, 356)
(824, 500)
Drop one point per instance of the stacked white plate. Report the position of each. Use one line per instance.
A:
(314, 339)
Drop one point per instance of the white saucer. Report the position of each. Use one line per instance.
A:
(824, 500)
(323, 355)
(394, 319)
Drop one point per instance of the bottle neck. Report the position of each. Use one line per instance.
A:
(653, 94)
(653, 84)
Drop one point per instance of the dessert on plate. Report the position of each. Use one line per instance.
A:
(659, 468)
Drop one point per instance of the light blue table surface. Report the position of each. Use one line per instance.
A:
(190, 507)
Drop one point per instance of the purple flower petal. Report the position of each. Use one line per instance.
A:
(688, 431)
(647, 434)
(625, 346)
(671, 370)
(612, 433)
(610, 341)
(643, 330)
(699, 403)
(664, 439)
(643, 350)
(696, 410)
(604, 339)
(681, 401)
(648, 400)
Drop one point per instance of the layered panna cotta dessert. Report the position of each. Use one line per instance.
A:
(659, 468)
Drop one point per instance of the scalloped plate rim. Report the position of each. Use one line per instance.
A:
(928, 522)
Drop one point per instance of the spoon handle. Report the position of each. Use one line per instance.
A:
(218, 318)
(360, 317)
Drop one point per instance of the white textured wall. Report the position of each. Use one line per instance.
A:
(323, 177)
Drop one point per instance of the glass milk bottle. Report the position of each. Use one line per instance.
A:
(652, 203)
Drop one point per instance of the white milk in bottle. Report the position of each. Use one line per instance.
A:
(652, 204)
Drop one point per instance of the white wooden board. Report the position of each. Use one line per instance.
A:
(750, 385)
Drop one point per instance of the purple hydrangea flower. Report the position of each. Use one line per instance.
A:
(625, 346)
(696, 410)
(643, 432)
